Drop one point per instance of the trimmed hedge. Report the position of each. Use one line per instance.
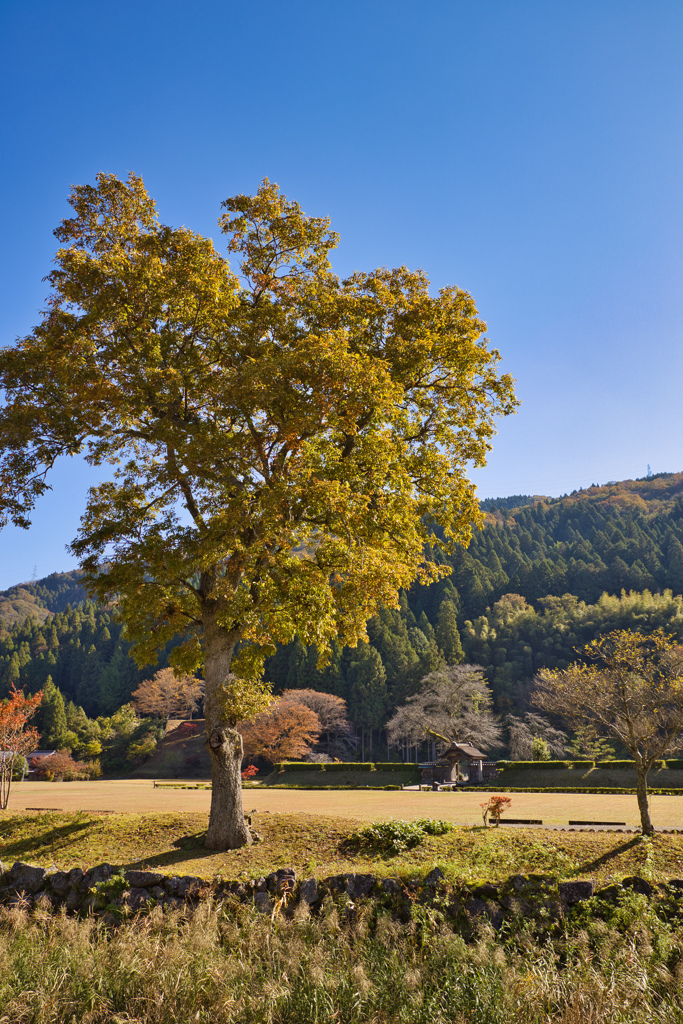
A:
(524, 766)
(624, 765)
(344, 766)
(574, 789)
(675, 764)
(299, 785)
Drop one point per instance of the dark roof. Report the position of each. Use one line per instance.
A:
(465, 750)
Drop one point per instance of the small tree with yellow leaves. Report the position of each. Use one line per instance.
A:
(630, 687)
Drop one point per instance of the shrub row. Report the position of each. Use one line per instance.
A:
(508, 766)
(344, 766)
(674, 764)
(671, 791)
(299, 785)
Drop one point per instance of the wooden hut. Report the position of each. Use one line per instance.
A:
(458, 761)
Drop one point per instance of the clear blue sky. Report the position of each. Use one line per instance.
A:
(530, 152)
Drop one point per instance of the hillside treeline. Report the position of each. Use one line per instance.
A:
(626, 536)
(542, 578)
(511, 640)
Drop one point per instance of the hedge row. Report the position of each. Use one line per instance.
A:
(345, 766)
(523, 766)
(674, 764)
(572, 789)
(299, 785)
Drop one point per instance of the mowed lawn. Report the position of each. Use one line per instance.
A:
(140, 796)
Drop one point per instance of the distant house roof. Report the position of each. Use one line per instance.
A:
(464, 751)
(40, 753)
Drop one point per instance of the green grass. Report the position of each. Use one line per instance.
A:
(318, 845)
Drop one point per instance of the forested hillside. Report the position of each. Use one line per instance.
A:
(81, 649)
(542, 577)
(40, 597)
(626, 536)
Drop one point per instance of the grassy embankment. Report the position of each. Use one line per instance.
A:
(340, 779)
(314, 845)
(529, 778)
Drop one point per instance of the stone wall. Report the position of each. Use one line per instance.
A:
(116, 893)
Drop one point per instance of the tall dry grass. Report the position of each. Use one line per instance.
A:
(229, 964)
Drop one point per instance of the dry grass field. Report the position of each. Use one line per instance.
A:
(139, 795)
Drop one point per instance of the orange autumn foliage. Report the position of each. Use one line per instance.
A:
(16, 739)
(285, 732)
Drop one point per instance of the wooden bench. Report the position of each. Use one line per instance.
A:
(597, 822)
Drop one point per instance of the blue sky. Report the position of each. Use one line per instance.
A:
(530, 152)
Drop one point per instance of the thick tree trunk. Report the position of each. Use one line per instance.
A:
(227, 828)
(643, 803)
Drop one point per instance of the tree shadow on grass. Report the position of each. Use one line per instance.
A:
(605, 858)
(190, 847)
(61, 836)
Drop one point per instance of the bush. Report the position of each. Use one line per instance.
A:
(60, 766)
(93, 768)
(299, 766)
(393, 837)
(434, 826)
(389, 837)
(350, 766)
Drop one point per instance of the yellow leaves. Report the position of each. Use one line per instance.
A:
(286, 441)
(241, 699)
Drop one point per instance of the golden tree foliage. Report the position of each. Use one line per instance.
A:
(282, 443)
(631, 688)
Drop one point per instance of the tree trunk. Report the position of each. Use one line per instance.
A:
(227, 828)
(643, 803)
(5, 780)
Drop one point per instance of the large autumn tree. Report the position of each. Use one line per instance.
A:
(282, 443)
